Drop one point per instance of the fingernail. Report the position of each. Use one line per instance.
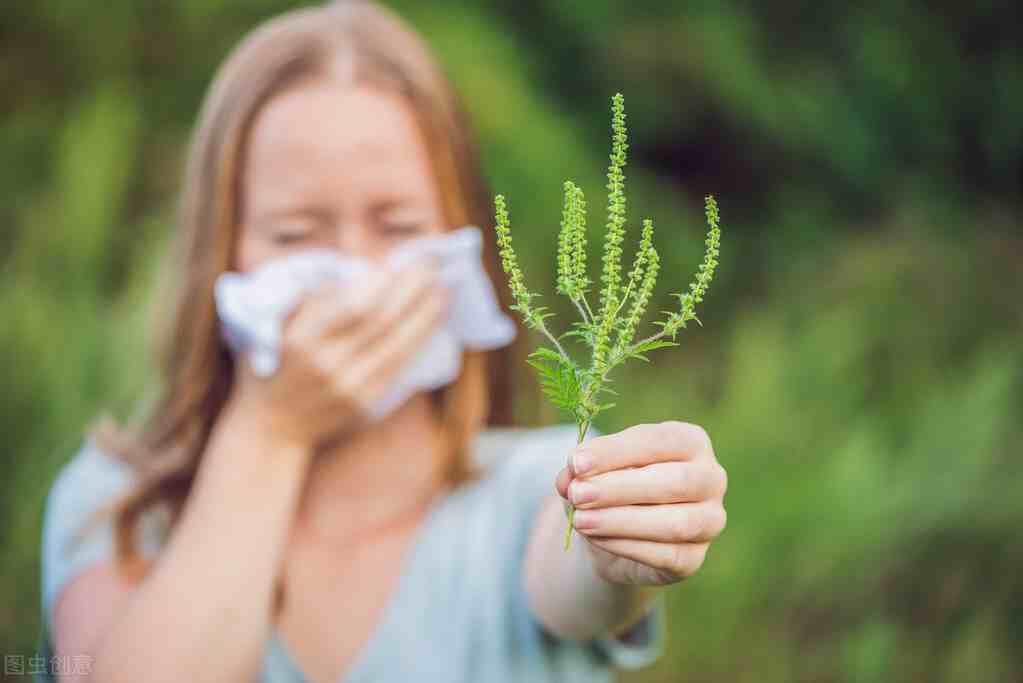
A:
(581, 492)
(582, 462)
(584, 520)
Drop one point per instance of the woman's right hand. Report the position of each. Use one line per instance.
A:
(340, 351)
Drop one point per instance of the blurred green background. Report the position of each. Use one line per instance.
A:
(861, 366)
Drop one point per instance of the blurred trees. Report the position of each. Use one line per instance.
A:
(860, 370)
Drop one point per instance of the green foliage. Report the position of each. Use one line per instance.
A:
(612, 259)
(857, 498)
(698, 287)
(577, 389)
(559, 378)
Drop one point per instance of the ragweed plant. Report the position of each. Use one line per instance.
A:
(609, 331)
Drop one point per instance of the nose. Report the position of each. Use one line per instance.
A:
(357, 240)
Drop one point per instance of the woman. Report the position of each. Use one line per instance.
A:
(284, 536)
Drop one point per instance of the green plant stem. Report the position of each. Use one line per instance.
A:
(588, 309)
(582, 311)
(653, 337)
(625, 298)
(584, 427)
(543, 328)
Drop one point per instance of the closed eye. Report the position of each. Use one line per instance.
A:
(286, 238)
(297, 227)
(403, 228)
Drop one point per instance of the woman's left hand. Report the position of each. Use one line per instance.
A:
(649, 500)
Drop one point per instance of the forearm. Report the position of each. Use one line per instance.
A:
(203, 613)
(566, 593)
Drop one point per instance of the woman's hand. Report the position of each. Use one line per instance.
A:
(340, 351)
(649, 500)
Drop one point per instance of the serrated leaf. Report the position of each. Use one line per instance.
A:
(559, 378)
(548, 353)
(651, 345)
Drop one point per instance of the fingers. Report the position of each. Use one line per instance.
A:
(365, 309)
(328, 309)
(562, 481)
(661, 482)
(675, 523)
(404, 292)
(641, 445)
(676, 560)
(381, 364)
(651, 494)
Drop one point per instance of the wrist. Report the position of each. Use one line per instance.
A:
(248, 424)
(637, 603)
(624, 604)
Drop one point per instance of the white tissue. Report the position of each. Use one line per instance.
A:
(252, 307)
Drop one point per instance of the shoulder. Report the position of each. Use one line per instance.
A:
(75, 534)
(86, 480)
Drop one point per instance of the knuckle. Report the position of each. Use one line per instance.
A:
(700, 526)
(684, 435)
(721, 522)
(654, 436)
(683, 528)
(722, 479)
(699, 555)
(688, 558)
(672, 430)
(682, 480)
(699, 437)
(681, 561)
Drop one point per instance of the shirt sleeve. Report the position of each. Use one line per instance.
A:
(642, 644)
(71, 542)
(525, 481)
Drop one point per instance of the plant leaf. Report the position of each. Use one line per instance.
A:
(548, 354)
(559, 378)
(651, 345)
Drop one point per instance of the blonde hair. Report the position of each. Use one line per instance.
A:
(195, 365)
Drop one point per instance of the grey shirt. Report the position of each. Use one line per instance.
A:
(459, 613)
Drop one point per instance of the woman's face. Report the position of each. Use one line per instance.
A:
(341, 167)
